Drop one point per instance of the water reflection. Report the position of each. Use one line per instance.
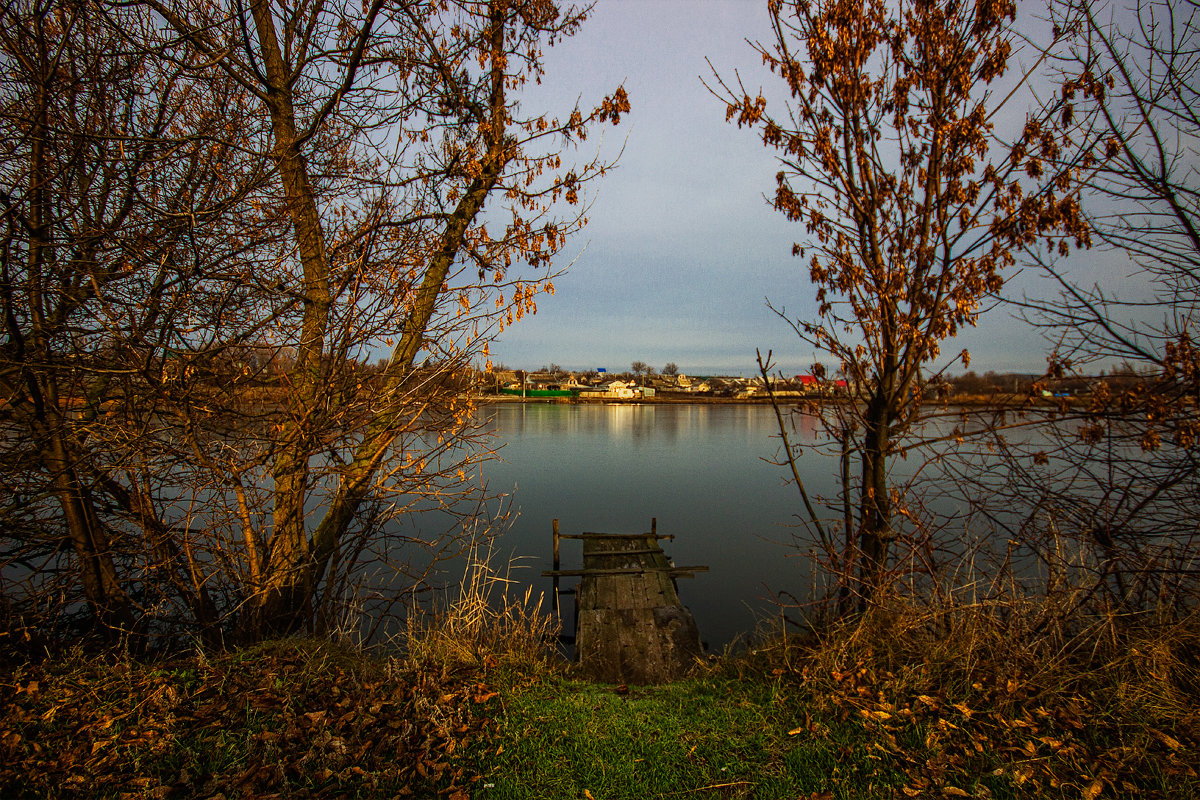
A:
(706, 473)
(634, 421)
(703, 471)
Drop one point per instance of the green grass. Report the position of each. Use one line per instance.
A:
(553, 737)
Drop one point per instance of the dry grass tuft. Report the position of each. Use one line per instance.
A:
(1040, 691)
(482, 624)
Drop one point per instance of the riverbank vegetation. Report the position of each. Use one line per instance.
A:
(1032, 694)
(909, 701)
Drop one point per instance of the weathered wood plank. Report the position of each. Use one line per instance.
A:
(631, 626)
(614, 536)
(678, 572)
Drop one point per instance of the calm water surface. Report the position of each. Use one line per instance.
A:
(702, 471)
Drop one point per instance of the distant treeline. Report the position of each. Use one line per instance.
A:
(1025, 383)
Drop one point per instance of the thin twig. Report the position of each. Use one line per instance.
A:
(763, 368)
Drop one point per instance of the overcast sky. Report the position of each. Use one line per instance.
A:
(682, 251)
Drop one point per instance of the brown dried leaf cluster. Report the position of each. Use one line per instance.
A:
(1046, 744)
(299, 721)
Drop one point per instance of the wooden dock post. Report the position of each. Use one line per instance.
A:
(556, 566)
(630, 626)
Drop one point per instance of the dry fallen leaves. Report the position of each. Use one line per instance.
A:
(1043, 747)
(118, 729)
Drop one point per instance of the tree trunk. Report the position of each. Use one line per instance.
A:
(296, 563)
(288, 574)
(97, 570)
(875, 516)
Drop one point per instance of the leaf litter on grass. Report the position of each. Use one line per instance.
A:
(1009, 735)
(299, 719)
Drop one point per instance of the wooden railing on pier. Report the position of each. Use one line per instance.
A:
(630, 626)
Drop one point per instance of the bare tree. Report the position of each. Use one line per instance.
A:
(108, 203)
(370, 138)
(885, 147)
(1132, 90)
(1126, 457)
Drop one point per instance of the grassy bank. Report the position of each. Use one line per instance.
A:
(827, 719)
(714, 736)
(784, 723)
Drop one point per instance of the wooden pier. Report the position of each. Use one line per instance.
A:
(629, 624)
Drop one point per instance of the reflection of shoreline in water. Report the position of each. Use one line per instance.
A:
(700, 469)
(706, 471)
(973, 401)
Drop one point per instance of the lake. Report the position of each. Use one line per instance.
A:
(705, 472)
(702, 470)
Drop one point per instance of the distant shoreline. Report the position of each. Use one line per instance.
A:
(970, 400)
(657, 399)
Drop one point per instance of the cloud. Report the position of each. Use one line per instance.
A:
(682, 248)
